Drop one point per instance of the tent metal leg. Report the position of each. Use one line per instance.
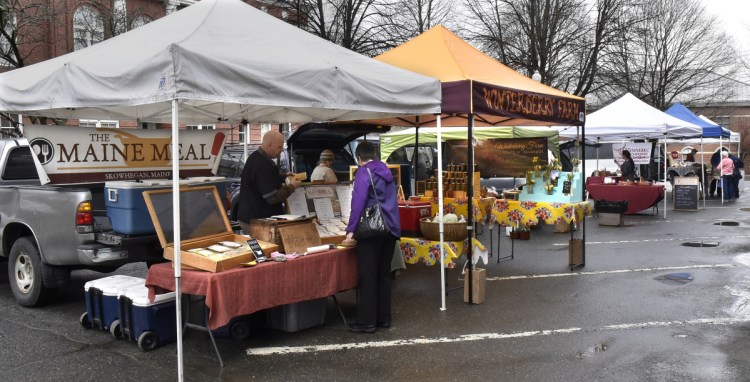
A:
(204, 327)
(499, 235)
(341, 313)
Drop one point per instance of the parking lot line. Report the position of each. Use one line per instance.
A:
(654, 269)
(693, 238)
(490, 336)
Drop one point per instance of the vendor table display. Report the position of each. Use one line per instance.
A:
(460, 207)
(514, 212)
(240, 291)
(417, 249)
(639, 197)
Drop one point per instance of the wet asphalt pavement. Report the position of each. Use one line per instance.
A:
(644, 308)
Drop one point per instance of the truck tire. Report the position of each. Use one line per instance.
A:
(25, 273)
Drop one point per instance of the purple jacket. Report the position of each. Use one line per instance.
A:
(363, 197)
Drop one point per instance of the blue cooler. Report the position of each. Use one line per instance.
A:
(151, 324)
(101, 300)
(219, 182)
(126, 207)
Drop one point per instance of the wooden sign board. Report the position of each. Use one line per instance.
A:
(685, 193)
(297, 238)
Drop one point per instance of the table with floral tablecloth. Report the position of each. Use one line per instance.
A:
(514, 212)
(416, 249)
(482, 206)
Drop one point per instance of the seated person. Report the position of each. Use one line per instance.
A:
(323, 171)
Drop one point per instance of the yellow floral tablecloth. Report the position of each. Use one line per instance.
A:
(482, 206)
(416, 249)
(512, 212)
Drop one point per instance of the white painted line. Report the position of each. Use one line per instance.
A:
(520, 277)
(691, 239)
(487, 336)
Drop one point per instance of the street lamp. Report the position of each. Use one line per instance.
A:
(536, 76)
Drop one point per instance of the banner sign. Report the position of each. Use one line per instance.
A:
(72, 155)
(506, 157)
(640, 152)
(497, 100)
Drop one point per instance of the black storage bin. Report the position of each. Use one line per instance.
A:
(611, 206)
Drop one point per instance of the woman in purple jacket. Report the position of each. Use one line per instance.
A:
(374, 255)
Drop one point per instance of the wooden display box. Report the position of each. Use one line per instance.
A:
(268, 230)
(575, 252)
(203, 222)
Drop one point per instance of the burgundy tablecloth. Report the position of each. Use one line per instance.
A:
(242, 291)
(639, 197)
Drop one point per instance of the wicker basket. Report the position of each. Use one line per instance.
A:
(451, 231)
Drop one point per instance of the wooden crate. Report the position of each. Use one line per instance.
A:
(203, 223)
(268, 229)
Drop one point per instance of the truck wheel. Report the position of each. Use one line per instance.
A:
(239, 330)
(148, 341)
(115, 330)
(25, 273)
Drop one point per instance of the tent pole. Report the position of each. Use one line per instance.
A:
(440, 212)
(703, 173)
(415, 156)
(721, 178)
(176, 225)
(470, 204)
(665, 172)
(246, 128)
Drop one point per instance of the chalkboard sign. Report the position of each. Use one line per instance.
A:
(685, 197)
(566, 187)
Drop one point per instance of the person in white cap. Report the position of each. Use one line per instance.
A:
(323, 171)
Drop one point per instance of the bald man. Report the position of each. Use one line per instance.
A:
(263, 188)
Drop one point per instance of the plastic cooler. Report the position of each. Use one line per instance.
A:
(151, 324)
(126, 207)
(101, 300)
(410, 212)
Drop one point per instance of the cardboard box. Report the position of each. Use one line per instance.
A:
(479, 282)
(611, 219)
(562, 227)
(203, 222)
(575, 252)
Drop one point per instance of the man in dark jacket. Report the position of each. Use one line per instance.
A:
(737, 175)
(262, 189)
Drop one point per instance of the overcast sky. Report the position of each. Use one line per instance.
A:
(735, 18)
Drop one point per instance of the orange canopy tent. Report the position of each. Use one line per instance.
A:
(474, 83)
(477, 90)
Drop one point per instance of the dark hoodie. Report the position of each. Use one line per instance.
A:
(363, 197)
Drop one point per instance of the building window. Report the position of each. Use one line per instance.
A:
(140, 21)
(721, 120)
(284, 14)
(201, 127)
(99, 123)
(88, 27)
(9, 27)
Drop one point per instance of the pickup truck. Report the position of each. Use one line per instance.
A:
(47, 231)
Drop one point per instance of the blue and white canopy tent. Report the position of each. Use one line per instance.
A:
(710, 130)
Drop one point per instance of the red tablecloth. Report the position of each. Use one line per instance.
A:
(242, 291)
(639, 197)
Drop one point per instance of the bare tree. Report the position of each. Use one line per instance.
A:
(674, 52)
(23, 30)
(530, 35)
(402, 20)
(349, 23)
(96, 22)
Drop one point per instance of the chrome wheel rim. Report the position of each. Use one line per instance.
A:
(24, 273)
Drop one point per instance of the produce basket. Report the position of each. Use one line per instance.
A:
(451, 231)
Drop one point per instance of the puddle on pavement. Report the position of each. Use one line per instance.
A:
(675, 278)
(588, 353)
(746, 209)
(728, 223)
(701, 244)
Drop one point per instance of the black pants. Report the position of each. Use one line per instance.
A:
(736, 187)
(374, 293)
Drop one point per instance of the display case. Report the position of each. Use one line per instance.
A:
(206, 238)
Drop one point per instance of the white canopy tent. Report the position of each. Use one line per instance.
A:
(216, 61)
(630, 118)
